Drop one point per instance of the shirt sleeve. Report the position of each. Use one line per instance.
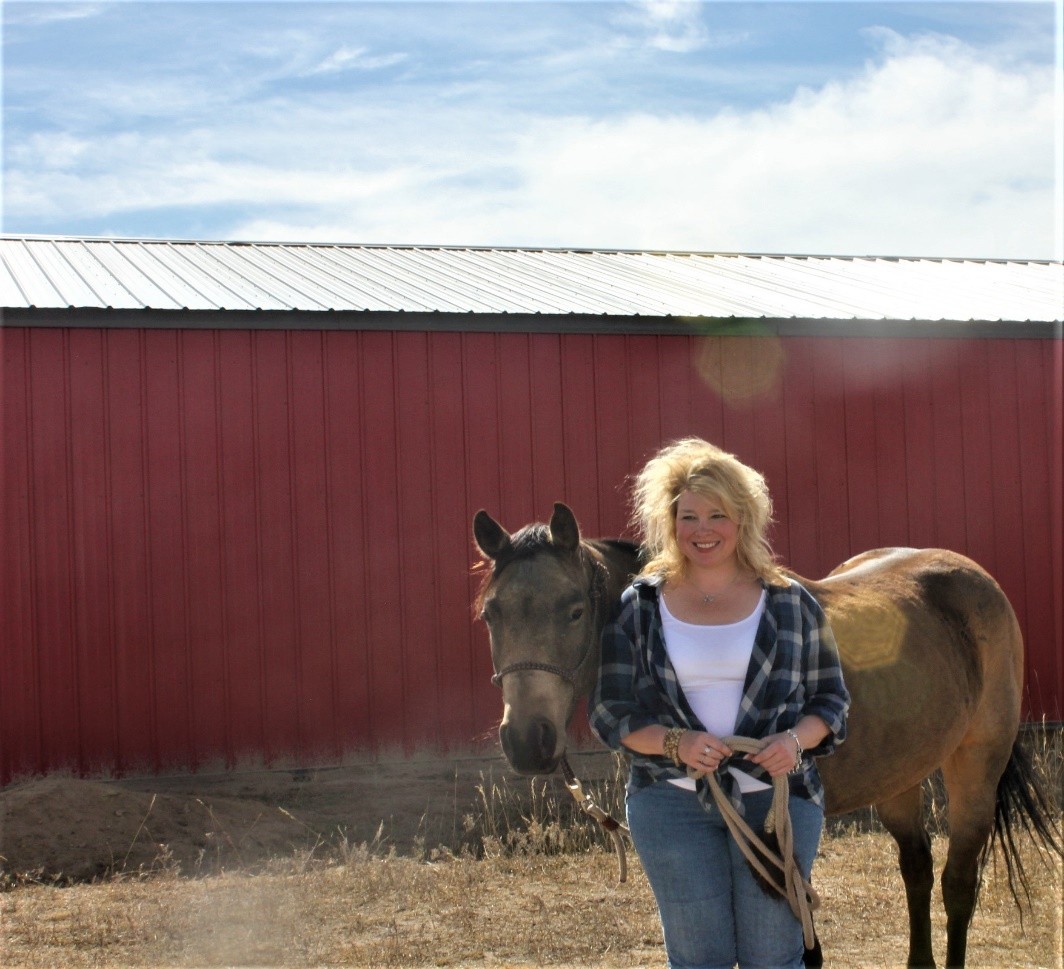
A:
(826, 693)
(616, 710)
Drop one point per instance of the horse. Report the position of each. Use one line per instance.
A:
(932, 655)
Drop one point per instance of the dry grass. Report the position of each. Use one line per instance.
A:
(519, 889)
(375, 909)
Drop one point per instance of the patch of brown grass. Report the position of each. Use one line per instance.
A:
(524, 884)
(382, 909)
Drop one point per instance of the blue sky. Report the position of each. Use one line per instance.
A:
(806, 127)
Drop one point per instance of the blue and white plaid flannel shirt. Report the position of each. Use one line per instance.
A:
(794, 671)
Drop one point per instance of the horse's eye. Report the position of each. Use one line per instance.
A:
(489, 612)
(577, 614)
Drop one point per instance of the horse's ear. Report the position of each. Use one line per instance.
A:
(564, 531)
(492, 539)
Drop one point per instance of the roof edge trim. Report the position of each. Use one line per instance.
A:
(156, 319)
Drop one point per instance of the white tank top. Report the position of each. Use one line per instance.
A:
(711, 664)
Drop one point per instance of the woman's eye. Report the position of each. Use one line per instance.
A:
(577, 614)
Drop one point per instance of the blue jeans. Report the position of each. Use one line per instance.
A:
(713, 913)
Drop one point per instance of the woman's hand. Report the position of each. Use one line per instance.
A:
(778, 756)
(703, 751)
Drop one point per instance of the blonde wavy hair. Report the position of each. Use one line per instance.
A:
(706, 470)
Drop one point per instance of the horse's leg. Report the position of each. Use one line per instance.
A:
(903, 817)
(971, 775)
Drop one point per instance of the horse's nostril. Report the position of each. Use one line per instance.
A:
(545, 735)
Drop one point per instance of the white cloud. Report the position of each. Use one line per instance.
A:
(355, 58)
(139, 173)
(669, 25)
(931, 150)
(41, 14)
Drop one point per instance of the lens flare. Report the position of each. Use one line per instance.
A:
(742, 370)
(871, 636)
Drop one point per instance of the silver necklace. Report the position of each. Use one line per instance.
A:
(708, 598)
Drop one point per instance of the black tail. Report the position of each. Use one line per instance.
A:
(1022, 808)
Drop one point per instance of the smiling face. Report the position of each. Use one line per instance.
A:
(706, 536)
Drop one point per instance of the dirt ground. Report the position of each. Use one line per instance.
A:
(565, 911)
(74, 829)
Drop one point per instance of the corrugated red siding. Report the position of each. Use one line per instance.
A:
(234, 547)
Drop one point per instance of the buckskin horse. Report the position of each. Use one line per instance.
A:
(932, 655)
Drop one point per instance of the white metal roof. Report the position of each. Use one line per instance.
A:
(62, 273)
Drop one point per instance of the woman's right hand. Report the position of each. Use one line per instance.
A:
(703, 751)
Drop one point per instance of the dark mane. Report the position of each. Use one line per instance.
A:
(525, 543)
(622, 545)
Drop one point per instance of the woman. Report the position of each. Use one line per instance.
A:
(712, 640)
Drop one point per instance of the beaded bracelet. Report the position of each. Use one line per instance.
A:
(797, 768)
(670, 745)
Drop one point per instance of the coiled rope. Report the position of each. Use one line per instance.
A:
(787, 879)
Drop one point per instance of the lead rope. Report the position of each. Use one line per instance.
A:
(610, 824)
(800, 895)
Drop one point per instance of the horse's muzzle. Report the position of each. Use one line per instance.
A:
(532, 748)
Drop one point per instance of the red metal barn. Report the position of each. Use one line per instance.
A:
(239, 479)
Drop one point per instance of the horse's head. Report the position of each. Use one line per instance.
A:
(544, 602)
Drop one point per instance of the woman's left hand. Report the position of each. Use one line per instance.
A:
(777, 756)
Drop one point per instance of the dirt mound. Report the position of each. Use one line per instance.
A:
(65, 828)
(60, 827)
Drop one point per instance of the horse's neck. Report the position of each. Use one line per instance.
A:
(621, 559)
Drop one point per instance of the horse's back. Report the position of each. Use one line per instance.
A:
(933, 656)
(938, 580)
